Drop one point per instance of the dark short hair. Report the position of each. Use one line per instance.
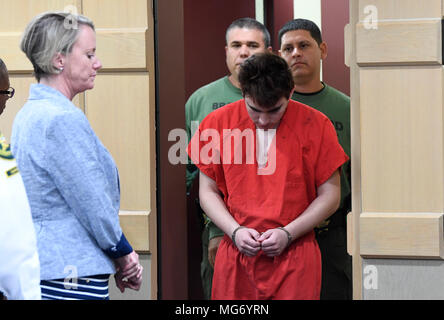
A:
(3, 71)
(301, 24)
(266, 78)
(249, 23)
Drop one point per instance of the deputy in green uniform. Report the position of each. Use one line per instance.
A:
(244, 37)
(301, 45)
(19, 266)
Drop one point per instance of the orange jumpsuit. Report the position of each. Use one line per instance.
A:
(307, 154)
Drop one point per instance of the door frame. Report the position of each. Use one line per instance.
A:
(170, 101)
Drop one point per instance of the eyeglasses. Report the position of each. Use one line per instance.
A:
(10, 92)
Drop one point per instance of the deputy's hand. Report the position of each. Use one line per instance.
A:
(246, 241)
(273, 242)
(213, 244)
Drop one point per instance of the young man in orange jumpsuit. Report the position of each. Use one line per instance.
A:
(267, 208)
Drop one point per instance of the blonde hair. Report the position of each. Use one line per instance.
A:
(48, 34)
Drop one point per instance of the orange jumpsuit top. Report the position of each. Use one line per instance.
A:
(307, 153)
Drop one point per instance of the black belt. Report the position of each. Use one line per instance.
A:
(327, 228)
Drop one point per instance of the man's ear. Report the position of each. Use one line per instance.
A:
(324, 50)
(270, 49)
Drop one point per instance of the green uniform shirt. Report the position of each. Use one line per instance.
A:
(336, 106)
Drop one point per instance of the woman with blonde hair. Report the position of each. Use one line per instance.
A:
(70, 178)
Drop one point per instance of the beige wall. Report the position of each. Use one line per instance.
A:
(397, 147)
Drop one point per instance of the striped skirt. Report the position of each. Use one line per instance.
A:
(84, 288)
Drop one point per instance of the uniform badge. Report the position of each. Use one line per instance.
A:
(12, 172)
(5, 151)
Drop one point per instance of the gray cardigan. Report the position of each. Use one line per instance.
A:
(72, 185)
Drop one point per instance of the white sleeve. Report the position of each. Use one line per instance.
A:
(19, 267)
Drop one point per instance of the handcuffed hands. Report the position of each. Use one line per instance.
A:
(272, 242)
(246, 240)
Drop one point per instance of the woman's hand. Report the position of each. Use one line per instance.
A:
(129, 272)
(123, 282)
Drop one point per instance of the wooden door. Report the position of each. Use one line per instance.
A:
(395, 55)
(121, 107)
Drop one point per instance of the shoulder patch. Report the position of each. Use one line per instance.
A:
(5, 151)
(12, 172)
